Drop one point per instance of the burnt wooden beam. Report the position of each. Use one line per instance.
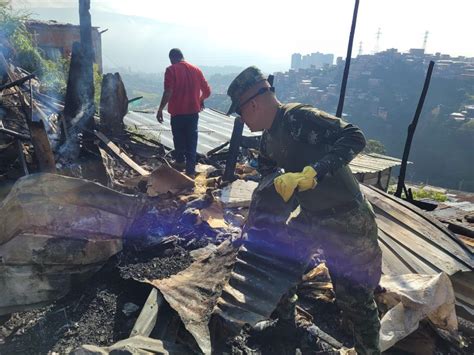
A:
(217, 149)
(124, 157)
(14, 134)
(39, 138)
(135, 99)
(17, 82)
(234, 148)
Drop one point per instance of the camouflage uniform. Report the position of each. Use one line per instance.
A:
(334, 216)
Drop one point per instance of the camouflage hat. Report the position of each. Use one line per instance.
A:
(244, 81)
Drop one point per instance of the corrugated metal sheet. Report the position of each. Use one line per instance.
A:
(372, 163)
(414, 242)
(193, 292)
(252, 281)
(214, 128)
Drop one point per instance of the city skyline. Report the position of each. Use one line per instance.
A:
(270, 33)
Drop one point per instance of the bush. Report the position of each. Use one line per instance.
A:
(421, 193)
(52, 74)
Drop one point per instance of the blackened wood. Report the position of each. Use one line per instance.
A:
(17, 82)
(124, 157)
(233, 149)
(135, 99)
(88, 74)
(43, 152)
(79, 107)
(14, 134)
(113, 104)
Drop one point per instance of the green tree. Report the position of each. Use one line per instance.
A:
(26, 55)
(374, 146)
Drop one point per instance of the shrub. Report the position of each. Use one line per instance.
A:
(52, 74)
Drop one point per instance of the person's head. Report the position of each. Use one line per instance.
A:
(176, 55)
(253, 99)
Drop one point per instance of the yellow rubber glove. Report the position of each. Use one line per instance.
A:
(286, 184)
(309, 181)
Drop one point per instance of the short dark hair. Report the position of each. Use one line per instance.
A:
(176, 54)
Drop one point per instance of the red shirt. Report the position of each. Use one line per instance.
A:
(189, 86)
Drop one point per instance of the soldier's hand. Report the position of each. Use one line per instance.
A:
(308, 181)
(286, 184)
(159, 116)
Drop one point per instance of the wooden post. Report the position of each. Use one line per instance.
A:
(113, 104)
(340, 105)
(411, 133)
(88, 74)
(79, 107)
(233, 149)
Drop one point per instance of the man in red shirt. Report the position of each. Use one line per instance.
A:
(185, 92)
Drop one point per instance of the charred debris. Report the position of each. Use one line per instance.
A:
(105, 247)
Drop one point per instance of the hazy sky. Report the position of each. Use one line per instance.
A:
(266, 33)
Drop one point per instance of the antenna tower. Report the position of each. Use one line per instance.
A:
(425, 40)
(377, 42)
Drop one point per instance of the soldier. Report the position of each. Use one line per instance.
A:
(314, 149)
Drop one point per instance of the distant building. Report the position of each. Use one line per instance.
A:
(417, 52)
(55, 39)
(457, 116)
(314, 60)
(469, 110)
(296, 61)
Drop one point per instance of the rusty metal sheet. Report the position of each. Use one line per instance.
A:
(193, 292)
(415, 230)
(54, 229)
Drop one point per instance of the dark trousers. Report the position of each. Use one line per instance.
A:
(185, 136)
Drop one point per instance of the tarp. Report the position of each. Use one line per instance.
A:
(414, 297)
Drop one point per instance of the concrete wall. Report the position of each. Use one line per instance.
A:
(58, 38)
